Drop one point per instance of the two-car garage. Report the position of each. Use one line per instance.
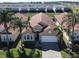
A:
(49, 39)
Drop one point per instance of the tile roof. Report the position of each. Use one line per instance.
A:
(59, 17)
(24, 18)
(42, 18)
(65, 25)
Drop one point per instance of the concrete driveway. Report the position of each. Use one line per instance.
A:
(50, 50)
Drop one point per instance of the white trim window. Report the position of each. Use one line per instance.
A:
(5, 36)
(28, 37)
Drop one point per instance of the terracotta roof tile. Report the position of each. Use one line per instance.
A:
(41, 17)
(60, 17)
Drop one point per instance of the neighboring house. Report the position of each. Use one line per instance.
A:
(40, 21)
(60, 19)
(76, 32)
(12, 34)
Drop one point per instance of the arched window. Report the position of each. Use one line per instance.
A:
(25, 37)
(4, 39)
(10, 39)
(31, 37)
(28, 37)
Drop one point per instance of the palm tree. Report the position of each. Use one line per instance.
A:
(6, 16)
(71, 19)
(21, 25)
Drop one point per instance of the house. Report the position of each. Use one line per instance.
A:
(8, 37)
(12, 34)
(60, 19)
(44, 24)
(76, 33)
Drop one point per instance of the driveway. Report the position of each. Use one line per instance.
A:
(50, 50)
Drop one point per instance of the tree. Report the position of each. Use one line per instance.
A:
(6, 16)
(21, 25)
(71, 19)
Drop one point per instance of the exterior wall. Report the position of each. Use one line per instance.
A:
(5, 36)
(76, 35)
(28, 37)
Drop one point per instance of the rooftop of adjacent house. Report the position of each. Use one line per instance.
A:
(60, 17)
(21, 16)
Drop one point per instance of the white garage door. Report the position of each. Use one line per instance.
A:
(49, 39)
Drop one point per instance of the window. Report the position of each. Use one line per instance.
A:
(10, 39)
(31, 37)
(4, 39)
(27, 37)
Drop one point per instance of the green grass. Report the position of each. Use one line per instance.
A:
(2, 54)
(15, 53)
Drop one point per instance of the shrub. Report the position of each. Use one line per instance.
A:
(15, 53)
(27, 51)
(2, 54)
(33, 53)
(37, 53)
